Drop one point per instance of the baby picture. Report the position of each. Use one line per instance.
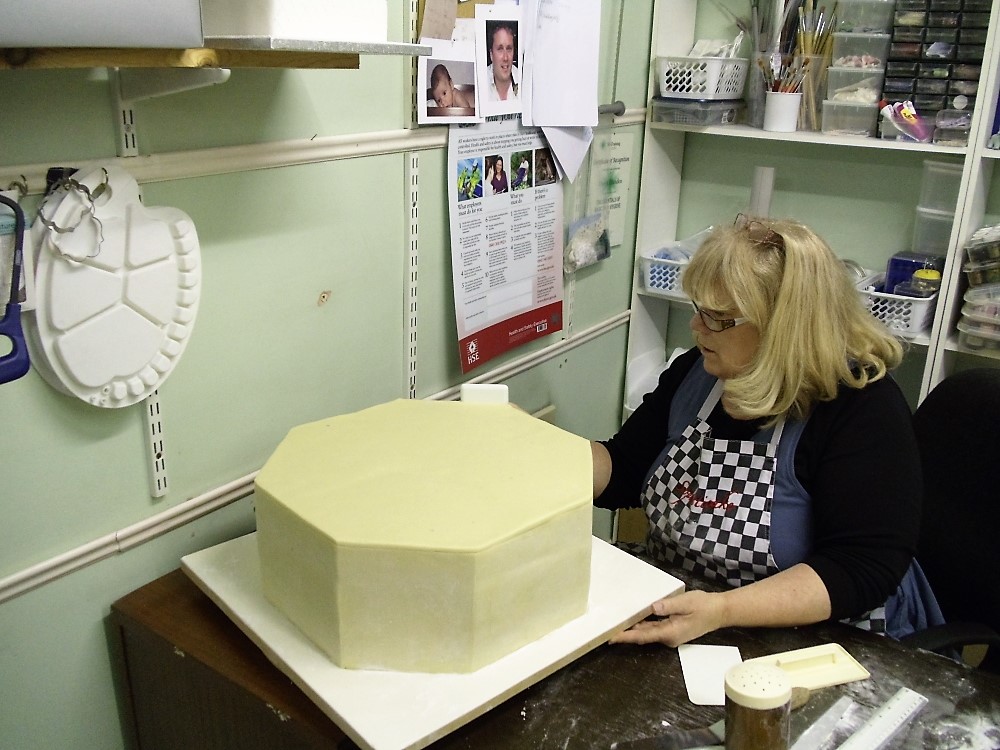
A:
(446, 94)
(450, 94)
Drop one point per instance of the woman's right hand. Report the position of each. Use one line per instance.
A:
(683, 618)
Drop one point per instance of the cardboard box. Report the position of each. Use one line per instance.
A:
(312, 20)
(100, 23)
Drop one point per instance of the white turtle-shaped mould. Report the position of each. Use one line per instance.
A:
(117, 295)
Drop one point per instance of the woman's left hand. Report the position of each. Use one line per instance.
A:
(685, 617)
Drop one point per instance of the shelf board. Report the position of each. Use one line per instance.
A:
(267, 43)
(682, 300)
(220, 52)
(952, 345)
(806, 136)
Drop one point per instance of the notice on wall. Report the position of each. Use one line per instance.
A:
(506, 211)
(610, 176)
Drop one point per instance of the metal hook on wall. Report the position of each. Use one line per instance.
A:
(20, 185)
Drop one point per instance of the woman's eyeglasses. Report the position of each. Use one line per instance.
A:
(760, 233)
(716, 324)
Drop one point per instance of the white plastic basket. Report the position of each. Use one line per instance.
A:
(907, 316)
(662, 268)
(701, 77)
(662, 277)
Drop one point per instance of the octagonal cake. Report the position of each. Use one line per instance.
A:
(426, 536)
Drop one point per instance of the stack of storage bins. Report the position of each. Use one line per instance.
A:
(979, 328)
(935, 61)
(857, 66)
(936, 211)
(699, 90)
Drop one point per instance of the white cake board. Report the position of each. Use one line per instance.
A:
(382, 710)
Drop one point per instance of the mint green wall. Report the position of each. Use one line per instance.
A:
(263, 355)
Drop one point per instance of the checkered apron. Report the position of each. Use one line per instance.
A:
(709, 506)
(709, 503)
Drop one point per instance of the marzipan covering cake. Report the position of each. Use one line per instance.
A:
(426, 536)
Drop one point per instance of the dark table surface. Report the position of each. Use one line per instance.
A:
(610, 694)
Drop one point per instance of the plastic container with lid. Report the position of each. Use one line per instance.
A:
(849, 118)
(984, 244)
(860, 50)
(939, 184)
(901, 267)
(925, 282)
(951, 136)
(988, 313)
(858, 85)
(865, 15)
(987, 328)
(758, 704)
(972, 337)
(986, 272)
(932, 230)
(982, 301)
(696, 111)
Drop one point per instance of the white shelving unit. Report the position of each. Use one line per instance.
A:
(662, 175)
(977, 184)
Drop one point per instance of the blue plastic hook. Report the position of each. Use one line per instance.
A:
(15, 364)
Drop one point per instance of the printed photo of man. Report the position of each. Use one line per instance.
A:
(502, 73)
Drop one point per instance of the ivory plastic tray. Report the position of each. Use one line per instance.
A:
(395, 710)
(817, 666)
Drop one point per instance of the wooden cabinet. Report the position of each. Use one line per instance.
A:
(659, 324)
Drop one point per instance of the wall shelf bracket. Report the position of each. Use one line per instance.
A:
(129, 85)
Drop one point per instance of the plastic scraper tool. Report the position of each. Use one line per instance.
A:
(14, 364)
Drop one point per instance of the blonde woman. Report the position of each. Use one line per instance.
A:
(777, 457)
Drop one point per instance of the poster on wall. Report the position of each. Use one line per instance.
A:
(610, 177)
(506, 216)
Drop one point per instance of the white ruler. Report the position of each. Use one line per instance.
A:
(819, 733)
(886, 722)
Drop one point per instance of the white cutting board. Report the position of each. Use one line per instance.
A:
(382, 710)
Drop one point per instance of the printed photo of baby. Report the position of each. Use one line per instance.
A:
(451, 90)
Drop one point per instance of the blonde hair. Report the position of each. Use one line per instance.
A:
(815, 333)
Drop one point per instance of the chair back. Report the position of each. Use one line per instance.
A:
(958, 433)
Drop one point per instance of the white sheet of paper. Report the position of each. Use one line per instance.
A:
(704, 669)
(529, 22)
(569, 146)
(563, 66)
(610, 177)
